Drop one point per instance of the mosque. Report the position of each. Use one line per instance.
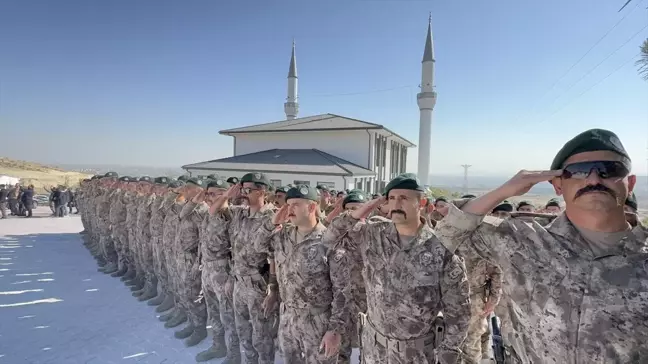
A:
(328, 149)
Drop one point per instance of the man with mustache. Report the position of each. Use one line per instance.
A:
(312, 278)
(249, 268)
(409, 277)
(574, 291)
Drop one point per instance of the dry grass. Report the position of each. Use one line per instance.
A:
(39, 175)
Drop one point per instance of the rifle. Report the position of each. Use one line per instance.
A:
(496, 337)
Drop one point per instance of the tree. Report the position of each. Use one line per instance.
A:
(434, 192)
(642, 62)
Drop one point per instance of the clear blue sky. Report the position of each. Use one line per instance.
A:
(152, 82)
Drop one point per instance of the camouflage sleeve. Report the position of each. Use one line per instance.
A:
(340, 226)
(187, 209)
(169, 200)
(455, 297)
(264, 238)
(494, 273)
(340, 264)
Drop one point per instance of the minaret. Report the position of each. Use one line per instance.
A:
(426, 100)
(291, 106)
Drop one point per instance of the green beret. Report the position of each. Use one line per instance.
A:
(553, 202)
(145, 179)
(213, 176)
(468, 196)
(196, 181)
(218, 183)
(125, 179)
(631, 201)
(176, 184)
(256, 177)
(283, 189)
(322, 187)
(302, 191)
(504, 206)
(183, 178)
(590, 141)
(354, 197)
(524, 203)
(406, 181)
(111, 175)
(233, 180)
(357, 190)
(162, 180)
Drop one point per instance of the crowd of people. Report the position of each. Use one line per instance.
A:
(18, 199)
(404, 279)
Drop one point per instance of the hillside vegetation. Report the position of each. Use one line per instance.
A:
(39, 175)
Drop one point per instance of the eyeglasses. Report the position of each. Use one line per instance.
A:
(604, 169)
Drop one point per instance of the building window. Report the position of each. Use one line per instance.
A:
(298, 182)
(327, 184)
(275, 183)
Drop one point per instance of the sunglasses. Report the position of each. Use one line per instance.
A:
(604, 169)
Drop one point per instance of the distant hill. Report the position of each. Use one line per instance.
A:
(133, 171)
(39, 175)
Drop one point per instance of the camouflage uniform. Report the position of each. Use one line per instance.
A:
(255, 331)
(118, 222)
(215, 274)
(561, 303)
(145, 252)
(407, 284)
(188, 263)
(485, 280)
(171, 220)
(131, 226)
(157, 232)
(313, 286)
(103, 222)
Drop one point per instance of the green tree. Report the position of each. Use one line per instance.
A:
(434, 192)
(642, 62)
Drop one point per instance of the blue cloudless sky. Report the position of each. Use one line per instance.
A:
(152, 82)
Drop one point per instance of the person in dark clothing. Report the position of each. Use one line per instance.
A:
(14, 194)
(27, 200)
(60, 199)
(71, 202)
(4, 193)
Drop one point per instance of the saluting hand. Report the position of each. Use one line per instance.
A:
(522, 182)
(199, 198)
(281, 216)
(330, 343)
(233, 191)
(363, 211)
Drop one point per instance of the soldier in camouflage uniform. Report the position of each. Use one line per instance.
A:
(135, 277)
(118, 222)
(220, 309)
(103, 223)
(249, 268)
(156, 229)
(409, 276)
(351, 202)
(574, 291)
(171, 223)
(188, 263)
(144, 240)
(312, 280)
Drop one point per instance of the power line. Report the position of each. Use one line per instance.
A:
(600, 63)
(582, 57)
(591, 87)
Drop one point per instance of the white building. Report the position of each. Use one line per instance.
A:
(9, 181)
(341, 152)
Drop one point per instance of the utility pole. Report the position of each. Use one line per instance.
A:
(465, 183)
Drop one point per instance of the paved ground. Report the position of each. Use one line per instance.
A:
(56, 308)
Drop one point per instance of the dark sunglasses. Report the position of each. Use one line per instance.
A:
(604, 169)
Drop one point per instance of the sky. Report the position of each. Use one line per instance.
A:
(152, 82)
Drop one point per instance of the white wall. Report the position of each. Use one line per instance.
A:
(286, 178)
(352, 146)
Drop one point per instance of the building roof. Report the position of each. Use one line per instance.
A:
(300, 161)
(321, 122)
